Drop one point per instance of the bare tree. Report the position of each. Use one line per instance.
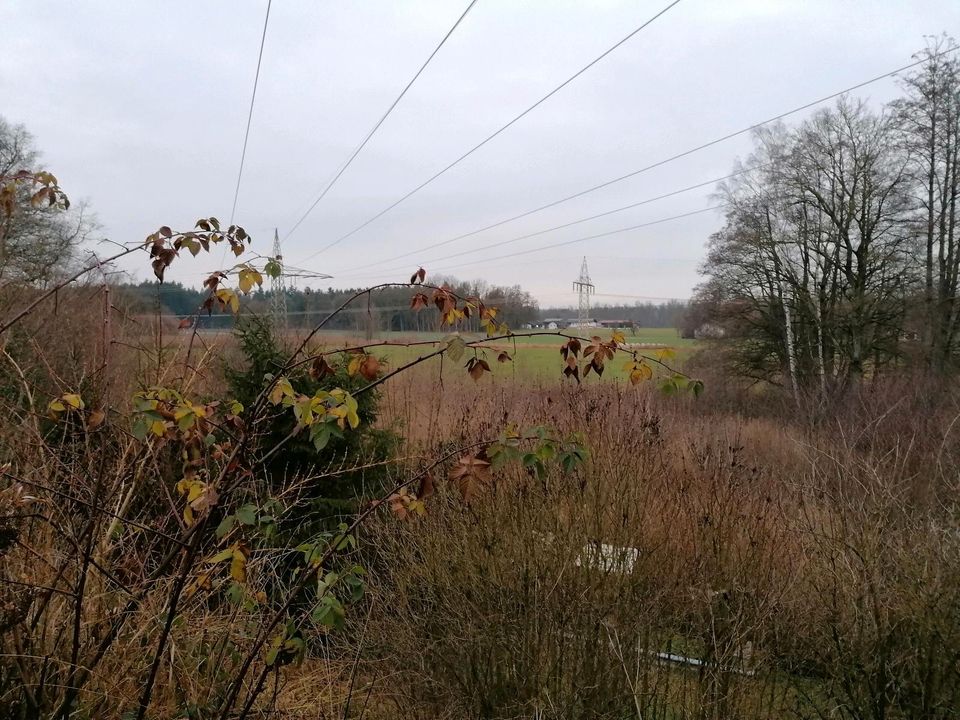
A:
(929, 119)
(808, 275)
(37, 244)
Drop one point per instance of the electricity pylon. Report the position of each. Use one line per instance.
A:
(278, 288)
(584, 288)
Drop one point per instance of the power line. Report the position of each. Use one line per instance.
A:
(675, 157)
(380, 122)
(622, 208)
(597, 236)
(253, 98)
(490, 137)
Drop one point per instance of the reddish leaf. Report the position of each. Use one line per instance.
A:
(476, 367)
(370, 367)
(185, 323)
(320, 368)
(418, 302)
(426, 487)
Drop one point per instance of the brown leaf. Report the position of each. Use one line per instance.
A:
(185, 323)
(96, 419)
(418, 302)
(504, 356)
(397, 506)
(570, 348)
(476, 367)
(320, 368)
(158, 266)
(370, 367)
(426, 487)
(471, 474)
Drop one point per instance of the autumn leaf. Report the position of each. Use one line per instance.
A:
(418, 302)
(247, 278)
(370, 367)
(282, 389)
(570, 348)
(418, 276)
(95, 419)
(238, 562)
(471, 474)
(397, 506)
(185, 323)
(426, 487)
(228, 298)
(618, 337)
(353, 367)
(319, 369)
(476, 367)
(504, 356)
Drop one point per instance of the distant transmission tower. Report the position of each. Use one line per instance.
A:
(584, 288)
(278, 288)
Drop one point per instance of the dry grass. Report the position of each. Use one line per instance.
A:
(818, 555)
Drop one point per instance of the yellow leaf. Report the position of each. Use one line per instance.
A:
(230, 298)
(74, 401)
(282, 389)
(158, 428)
(238, 563)
(195, 490)
(618, 337)
(354, 367)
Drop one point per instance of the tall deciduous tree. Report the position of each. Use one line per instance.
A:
(37, 242)
(808, 275)
(929, 119)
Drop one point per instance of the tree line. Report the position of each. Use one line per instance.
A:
(388, 309)
(839, 255)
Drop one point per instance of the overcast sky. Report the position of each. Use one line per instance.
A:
(140, 108)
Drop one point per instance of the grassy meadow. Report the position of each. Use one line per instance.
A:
(535, 354)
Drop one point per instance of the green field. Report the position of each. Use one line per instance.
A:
(535, 354)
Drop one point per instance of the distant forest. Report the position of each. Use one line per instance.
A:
(388, 309)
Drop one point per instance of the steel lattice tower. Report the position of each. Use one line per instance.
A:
(278, 288)
(584, 288)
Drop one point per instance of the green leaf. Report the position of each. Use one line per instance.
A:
(455, 347)
(225, 526)
(247, 514)
(141, 428)
(320, 434)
